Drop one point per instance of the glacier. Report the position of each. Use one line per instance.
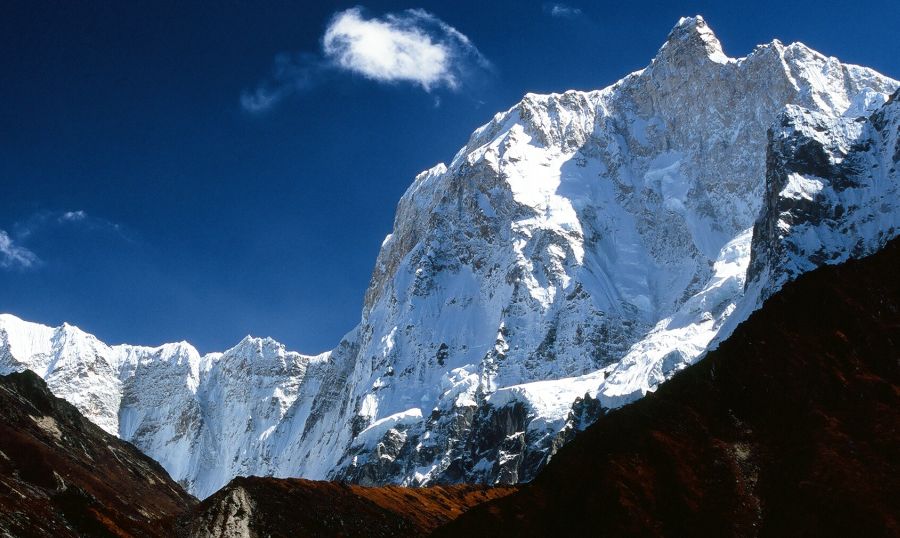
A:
(578, 251)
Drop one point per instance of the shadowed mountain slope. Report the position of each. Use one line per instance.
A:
(790, 428)
(61, 475)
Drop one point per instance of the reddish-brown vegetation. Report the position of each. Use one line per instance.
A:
(60, 475)
(296, 507)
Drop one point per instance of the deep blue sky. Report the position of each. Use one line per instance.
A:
(204, 222)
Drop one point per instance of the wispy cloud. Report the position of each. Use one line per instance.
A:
(290, 74)
(73, 216)
(43, 220)
(412, 47)
(13, 255)
(562, 11)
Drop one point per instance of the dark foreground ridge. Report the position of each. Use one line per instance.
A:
(61, 476)
(294, 507)
(790, 428)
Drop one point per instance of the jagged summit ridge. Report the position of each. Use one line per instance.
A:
(575, 253)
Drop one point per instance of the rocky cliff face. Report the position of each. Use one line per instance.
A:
(832, 190)
(578, 251)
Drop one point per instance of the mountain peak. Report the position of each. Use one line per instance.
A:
(692, 37)
(690, 22)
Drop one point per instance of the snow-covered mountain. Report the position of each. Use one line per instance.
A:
(206, 419)
(578, 251)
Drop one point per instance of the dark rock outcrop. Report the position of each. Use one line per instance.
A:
(61, 475)
(256, 507)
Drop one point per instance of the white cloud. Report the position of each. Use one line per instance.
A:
(562, 11)
(412, 46)
(13, 255)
